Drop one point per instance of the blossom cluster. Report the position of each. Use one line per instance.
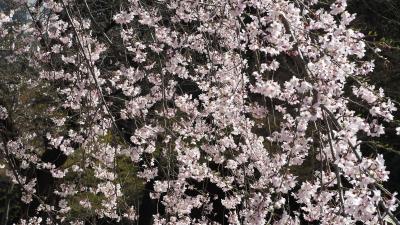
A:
(240, 95)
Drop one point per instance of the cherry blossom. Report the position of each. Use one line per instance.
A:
(241, 96)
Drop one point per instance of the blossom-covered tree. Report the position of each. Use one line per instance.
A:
(229, 112)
